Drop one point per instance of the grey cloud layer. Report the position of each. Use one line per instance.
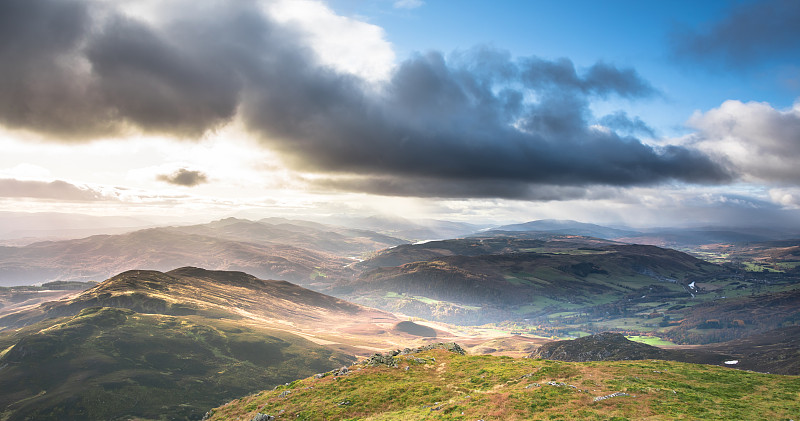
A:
(57, 190)
(184, 177)
(751, 33)
(479, 120)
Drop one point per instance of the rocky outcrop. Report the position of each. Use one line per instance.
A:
(389, 360)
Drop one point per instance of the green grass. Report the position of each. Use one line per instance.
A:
(650, 340)
(758, 267)
(441, 385)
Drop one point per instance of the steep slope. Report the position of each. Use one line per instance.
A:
(776, 351)
(732, 318)
(99, 257)
(438, 384)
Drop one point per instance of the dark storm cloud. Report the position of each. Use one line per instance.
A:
(184, 177)
(620, 122)
(478, 122)
(57, 190)
(74, 76)
(421, 187)
(749, 34)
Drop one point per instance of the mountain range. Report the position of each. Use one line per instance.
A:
(257, 304)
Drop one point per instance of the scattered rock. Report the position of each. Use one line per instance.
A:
(285, 393)
(262, 417)
(613, 395)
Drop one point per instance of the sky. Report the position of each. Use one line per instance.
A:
(657, 113)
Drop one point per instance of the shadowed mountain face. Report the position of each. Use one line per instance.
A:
(477, 280)
(599, 347)
(609, 346)
(567, 227)
(776, 351)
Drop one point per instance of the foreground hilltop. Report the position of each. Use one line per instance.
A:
(441, 384)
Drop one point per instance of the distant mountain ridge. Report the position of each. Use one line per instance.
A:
(298, 252)
(570, 227)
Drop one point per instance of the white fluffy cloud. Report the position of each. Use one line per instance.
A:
(343, 43)
(761, 143)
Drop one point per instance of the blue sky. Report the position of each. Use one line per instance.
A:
(631, 33)
(623, 112)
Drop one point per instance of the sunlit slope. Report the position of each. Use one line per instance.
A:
(438, 384)
(233, 296)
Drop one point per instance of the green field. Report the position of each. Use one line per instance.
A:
(650, 340)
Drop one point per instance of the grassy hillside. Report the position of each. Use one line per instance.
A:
(733, 318)
(479, 245)
(171, 345)
(107, 363)
(477, 281)
(439, 384)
